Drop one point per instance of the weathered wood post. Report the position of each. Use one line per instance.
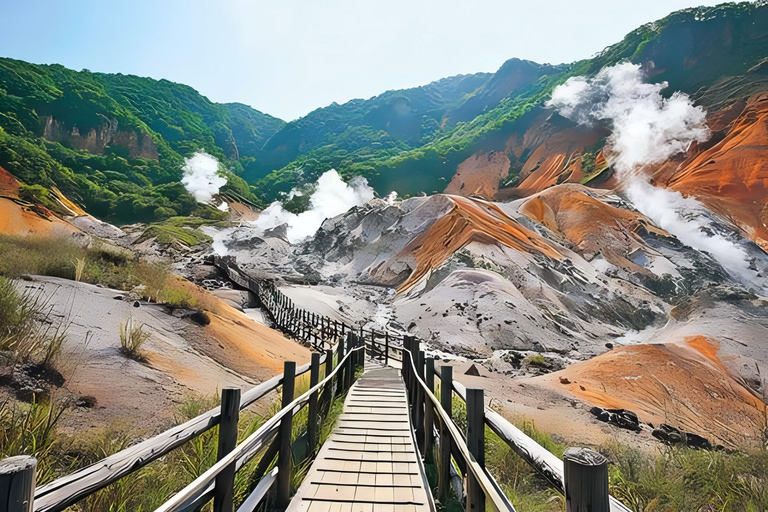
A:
(223, 490)
(586, 481)
(349, 369)
(403, 366)
(418, 416)
(429, 411)
(476, 446)
(313, 419)
(386, 348)
(328, 387)
(17, 483)
(285, 455)
(340, 374)
(444, 460)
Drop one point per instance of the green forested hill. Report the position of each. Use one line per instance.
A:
(691, 49)
(115, 143)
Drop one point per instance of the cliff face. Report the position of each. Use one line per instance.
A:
(96, 140)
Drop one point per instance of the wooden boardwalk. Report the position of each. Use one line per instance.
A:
(370, 462)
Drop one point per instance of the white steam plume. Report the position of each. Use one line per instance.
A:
(331, 197)
(201, 178)
(648, 129)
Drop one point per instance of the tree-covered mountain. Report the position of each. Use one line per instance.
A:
(691, 49)
(115, 143)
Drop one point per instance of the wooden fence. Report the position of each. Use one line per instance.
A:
(318, 331)
(582, 476)
(17, 487)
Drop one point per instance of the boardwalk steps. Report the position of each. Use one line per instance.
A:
(370, 462)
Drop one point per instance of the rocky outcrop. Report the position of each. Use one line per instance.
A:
(96, 140)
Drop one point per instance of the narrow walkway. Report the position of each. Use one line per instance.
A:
(369, 463)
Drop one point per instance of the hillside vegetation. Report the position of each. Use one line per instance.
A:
(115, 143)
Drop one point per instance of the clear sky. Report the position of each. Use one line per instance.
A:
(288, 57)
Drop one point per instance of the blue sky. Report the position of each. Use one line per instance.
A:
(288, 57)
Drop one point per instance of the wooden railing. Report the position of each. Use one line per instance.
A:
(582, 477)
(306, 326)
(17, 482)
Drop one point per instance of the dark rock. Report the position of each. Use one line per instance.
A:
(118, 297)
(136, 304)
(200, 317)
(622, 418)
(564, 380)
(472, 370)
(87, 402)
(609, 345)
(668, 434)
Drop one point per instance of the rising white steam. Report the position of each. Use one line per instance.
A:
(331, 197)
(648, 129)
(201, 178)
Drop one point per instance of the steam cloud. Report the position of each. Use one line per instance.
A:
(201, 178)
(648, 129)
(331, 197)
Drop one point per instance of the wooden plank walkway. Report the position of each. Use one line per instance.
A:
(370, 462)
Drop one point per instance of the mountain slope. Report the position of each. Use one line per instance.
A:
(114, 143)
(692, 49)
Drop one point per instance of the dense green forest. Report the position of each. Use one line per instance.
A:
(116, 143)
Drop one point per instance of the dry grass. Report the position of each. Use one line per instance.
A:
(132, 337)
(100, 264)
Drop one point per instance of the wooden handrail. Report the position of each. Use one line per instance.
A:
(248, 448)
(499, 500)
(67, 490)
(541, 459)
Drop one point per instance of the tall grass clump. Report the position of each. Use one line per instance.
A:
(30, 429)
(132, 337)
(24, 334)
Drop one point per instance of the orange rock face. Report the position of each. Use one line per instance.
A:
(591, 224)
(469, 221)
(9, 187)
(479, 175)
(685, 385)
(730, 176)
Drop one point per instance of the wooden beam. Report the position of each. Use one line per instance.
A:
(17, 483)
(313, 418)
(285, 455)
(586, 481)
(476, 446)
(225, 481)
(444, 460)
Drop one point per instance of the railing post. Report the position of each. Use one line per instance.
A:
(429, 412)
(418, 416)
(386, 348)
(223, 490)
(313, 419)
(586, 481)
(444, 462)
(285, 455)
(17, 483)
(340, 374)
(476, 446)
(328, 387)
(349, 368)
